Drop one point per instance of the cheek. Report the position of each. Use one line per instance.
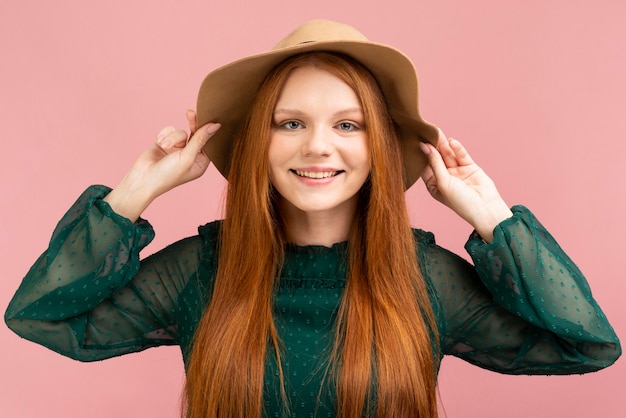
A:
(278, 150)
(276, 162)
(271, 174)
(368, 161)
(273, 155)
(359, 157)
(366, 164)
(364, 154)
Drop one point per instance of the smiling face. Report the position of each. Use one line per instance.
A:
(318, 151)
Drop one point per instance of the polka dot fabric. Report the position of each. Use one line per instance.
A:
(523, 307)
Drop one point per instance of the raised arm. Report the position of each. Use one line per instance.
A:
(455, 180)
(524, 307)
(173, 160)
(89, 296)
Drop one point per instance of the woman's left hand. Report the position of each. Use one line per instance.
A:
(455, 180)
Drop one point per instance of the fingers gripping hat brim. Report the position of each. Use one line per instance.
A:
(226, 94)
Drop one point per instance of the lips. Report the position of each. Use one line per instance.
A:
(316, 174)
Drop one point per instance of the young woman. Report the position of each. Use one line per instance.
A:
(313, 296)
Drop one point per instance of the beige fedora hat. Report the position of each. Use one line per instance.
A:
(227, 93)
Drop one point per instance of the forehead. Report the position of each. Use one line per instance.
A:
(314, 86)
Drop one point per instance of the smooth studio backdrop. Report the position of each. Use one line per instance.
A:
(535, 90)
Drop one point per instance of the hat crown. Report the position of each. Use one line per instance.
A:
(320, 30)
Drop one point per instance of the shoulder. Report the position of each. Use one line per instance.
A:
(423, 237)
(202, 247)
(210, 231)
(440, 266)
(209, 235)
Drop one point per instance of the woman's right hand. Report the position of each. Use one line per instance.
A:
(173, 160)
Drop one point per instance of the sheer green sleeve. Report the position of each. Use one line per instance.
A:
(523, 308)
(89, 297)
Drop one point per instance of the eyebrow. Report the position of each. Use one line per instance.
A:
(339, 113)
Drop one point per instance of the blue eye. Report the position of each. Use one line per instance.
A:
(291, 125)
(347, 126)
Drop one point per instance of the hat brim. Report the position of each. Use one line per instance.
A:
(227, 94)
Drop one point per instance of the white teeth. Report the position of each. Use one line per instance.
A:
(316, 174)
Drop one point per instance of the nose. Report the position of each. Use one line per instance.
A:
(318, 142)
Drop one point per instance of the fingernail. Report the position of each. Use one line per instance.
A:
(425, 148)
(211, 129)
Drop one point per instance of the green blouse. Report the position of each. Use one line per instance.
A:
(522, 308)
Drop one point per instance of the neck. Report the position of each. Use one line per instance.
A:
(317, 228)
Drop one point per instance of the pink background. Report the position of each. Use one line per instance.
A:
(535, 89)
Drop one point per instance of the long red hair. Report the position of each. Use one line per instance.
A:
(384, 357)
